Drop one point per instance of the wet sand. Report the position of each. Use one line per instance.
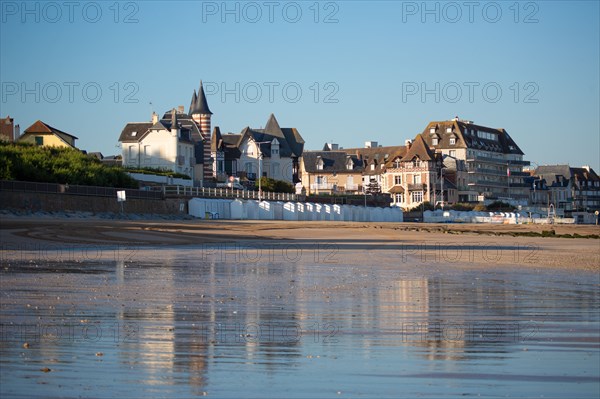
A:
(451, 242)
(100, 308)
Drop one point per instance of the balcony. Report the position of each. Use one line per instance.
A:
(500, 161)
(321, 186)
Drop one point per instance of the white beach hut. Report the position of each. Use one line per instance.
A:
(236, 209)
(266, 210)
(290, 211)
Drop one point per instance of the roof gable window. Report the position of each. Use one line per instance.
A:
(320, 163)
(435, 141)
(452, 140)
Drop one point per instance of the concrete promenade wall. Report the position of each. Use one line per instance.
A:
(55, 202)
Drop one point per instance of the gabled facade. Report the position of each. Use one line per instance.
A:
(42, 134)
(166, 144)
(488, 163)
(239, 154)
(416, 177)
(331, 171)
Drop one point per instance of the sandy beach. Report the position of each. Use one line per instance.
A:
(506, 244)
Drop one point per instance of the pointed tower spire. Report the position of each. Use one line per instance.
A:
(272, 127)
(201, 103)
(193, 103)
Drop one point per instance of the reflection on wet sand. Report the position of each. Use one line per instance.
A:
(177, 324)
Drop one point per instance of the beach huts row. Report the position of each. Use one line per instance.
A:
(439, 216)
(292, 211)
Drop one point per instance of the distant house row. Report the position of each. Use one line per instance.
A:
(450, 161)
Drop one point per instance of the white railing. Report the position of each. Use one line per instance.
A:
(321, 186)
(183, 191)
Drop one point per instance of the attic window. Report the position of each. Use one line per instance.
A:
(372, 166)
(133, 134)
(349, 165)
(397, 163)
(449, 129)
(452, 140)
(435, 141)
(319, 164)
(432, 130)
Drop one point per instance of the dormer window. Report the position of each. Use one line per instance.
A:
(372, 166)
(397, 163)
(452, 140)
(319, 163)
(349, 164)
(432, 130)
(435, 141)
(449, 129)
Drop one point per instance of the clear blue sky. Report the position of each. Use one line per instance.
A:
(371, 62)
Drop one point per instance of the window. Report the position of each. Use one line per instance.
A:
(397, 163)
(131, 152)
(133, 134)
(453, 153)
(147, 151)
(397, 180)
(417, 196)
(434, 141)
(432, 130)
(449, 129)
(398, 198)
(275, 151)
(452, 140)
(372, 166)
(39, 140)
(349, 165)
(319, 163)
(417, 178)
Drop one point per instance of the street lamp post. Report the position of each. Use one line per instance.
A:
(260, 157)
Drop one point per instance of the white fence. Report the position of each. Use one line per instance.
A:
(161, 179)
(207, 208)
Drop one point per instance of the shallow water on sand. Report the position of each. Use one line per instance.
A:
(294, 321)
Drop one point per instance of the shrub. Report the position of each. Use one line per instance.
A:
(275, 186)
(27, 162)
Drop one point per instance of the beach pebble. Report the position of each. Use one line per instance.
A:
(26, 345)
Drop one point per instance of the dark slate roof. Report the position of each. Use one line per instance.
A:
(141, 128)
(184, 121)
(333, 162)
(291, 143)
(193, 102)
(228, 143)
(505, 143)
(377, 156)
(201, 105)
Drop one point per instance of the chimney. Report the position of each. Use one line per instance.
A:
(180, 109)
(17, 132)
(586, 167)
(371, 144)
(154, 117)
(408, 143)
(333, 146)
